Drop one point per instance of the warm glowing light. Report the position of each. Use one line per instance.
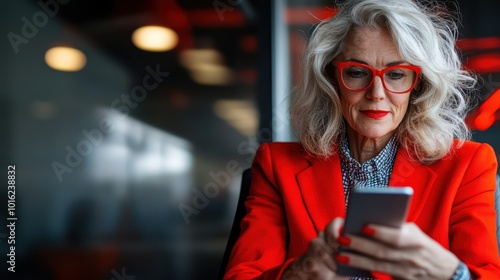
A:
(155, 38)
(65, 59)
(206, 66)
(211, 74)
(240, 114)
(193, 57)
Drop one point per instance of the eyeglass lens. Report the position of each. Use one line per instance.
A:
(395, 79)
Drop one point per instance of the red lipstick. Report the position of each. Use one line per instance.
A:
(375, 114)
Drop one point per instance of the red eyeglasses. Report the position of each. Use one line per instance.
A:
(357, 76)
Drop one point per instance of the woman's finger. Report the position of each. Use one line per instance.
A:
(332, 231)
(406, 253)
(409, 235)
(399, 270)
(383, 251)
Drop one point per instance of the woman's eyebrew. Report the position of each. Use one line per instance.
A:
(357, 76)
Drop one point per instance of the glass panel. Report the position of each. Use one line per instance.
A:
(128, 154)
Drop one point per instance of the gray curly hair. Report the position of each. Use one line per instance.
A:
(439, 103)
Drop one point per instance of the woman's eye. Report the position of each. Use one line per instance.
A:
(357, 73)
(395, 75)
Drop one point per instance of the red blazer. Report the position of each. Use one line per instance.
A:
(294, 196)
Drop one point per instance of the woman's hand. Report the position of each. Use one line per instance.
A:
(319, 260)
(405, 253)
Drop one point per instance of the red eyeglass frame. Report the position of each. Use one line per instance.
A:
(341, 64)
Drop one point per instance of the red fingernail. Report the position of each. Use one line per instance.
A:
(346, 241)
(368, 231)
(381, 276)
(342, 259)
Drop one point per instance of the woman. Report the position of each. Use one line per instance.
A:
(382, 104)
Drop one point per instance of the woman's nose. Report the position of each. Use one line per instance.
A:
(376, 91)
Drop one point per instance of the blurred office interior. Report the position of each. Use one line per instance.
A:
(129, 141)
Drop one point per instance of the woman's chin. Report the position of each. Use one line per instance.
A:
(375, 134)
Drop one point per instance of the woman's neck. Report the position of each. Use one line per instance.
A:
(363, 148)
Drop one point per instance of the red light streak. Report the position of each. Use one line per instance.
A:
(487, 43)
(486, 117)
(484, 121)
(484, 63)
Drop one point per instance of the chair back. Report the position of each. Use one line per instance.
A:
(246, 179)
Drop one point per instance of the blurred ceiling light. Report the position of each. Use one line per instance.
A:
(155, 38)
(240, 114)
(65, 59)
(211, 74)
(206, 66)
(193, 57)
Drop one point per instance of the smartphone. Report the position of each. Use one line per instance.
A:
(386, 206)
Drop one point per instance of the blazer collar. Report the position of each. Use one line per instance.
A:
(322, 188)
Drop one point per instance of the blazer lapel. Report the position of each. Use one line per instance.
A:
(322, 190)
(420, 177)
(323, 193)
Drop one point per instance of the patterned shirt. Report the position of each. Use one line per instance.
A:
(375, 173)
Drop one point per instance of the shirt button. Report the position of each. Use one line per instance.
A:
(369, 168)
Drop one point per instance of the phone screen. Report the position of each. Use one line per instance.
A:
(386, 206)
